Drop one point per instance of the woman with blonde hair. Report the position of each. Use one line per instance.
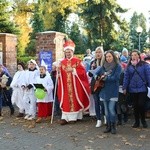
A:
(98, 61)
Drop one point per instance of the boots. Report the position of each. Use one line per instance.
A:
(119, 119)
(113, 128)
(136, 124)
(108, 128)
(144, 124)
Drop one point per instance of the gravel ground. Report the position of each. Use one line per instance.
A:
(18, 134)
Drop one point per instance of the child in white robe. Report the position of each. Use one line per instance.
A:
(45, 105)
(18, 92)
(27, 84)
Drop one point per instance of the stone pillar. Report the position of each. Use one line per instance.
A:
(50, 41)
(8, 52)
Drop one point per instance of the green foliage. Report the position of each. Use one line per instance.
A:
(6, 24)
(37, 25)
(24, 59)
(99, 18)
(37, 19)
(76, 36)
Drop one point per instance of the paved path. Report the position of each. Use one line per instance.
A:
(15, 134)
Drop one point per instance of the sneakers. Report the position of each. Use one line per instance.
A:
(98, 124)
(26, 117)
(31, 118)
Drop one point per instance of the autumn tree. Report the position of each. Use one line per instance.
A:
(50, 15)
(22, 11)
(55, 13)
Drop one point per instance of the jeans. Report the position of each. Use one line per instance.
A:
(110, 111)
(99, 107)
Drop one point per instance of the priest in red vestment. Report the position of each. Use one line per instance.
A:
(73, 86)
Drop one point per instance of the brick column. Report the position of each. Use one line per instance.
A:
(8, 52)
(50, 41)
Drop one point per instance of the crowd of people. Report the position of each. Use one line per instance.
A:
(69, 89)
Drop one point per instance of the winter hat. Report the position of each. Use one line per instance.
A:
(124, 50)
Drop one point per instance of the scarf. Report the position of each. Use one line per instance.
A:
(109, 66)
(135, 62)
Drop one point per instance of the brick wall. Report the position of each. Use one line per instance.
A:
(9, 52)
(50, 41)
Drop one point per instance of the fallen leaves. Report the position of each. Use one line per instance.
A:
(142, 136)
(8, 136)
(88, 148)
(102, 136)
(47, 146)
(128, 143)
(1, 118)
(90, 141)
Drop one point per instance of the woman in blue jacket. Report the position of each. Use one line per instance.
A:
(136, 80)
(110, 73)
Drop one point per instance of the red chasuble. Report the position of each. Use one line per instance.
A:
(73, 87)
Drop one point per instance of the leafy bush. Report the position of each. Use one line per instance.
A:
(25, 59)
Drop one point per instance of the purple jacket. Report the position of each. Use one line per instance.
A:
(133, 82)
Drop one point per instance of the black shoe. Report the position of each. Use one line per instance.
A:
(108, 129)
(119, 123)
(113, 128)
(12, 110)
(144, 125)
(136, 125)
